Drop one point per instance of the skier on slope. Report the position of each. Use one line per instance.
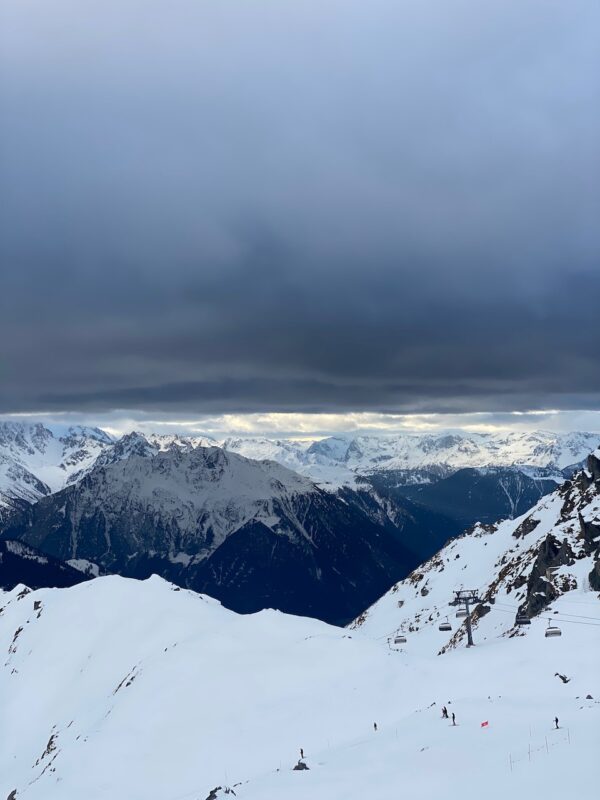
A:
(301, 753)
(374, 726)
(556, 722)
(444, 712)
(453, 718)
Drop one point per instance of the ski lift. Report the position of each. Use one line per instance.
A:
(445, 626)
(552, 630)
(461, 614)
(522, 620)
(400, 640)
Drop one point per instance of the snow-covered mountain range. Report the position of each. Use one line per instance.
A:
(421, 457)
(140, 690)
(36, 460)
(258, 533)
(252, 533)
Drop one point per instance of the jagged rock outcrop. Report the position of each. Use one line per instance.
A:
(541, 590)
(518, 567)
(593, 466)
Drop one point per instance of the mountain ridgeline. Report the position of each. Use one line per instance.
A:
(252, 534)
(472, 495)
(320, 528)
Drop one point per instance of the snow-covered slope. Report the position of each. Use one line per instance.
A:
(36, 459)
(544, 562)
(121, 690)
(299, 455)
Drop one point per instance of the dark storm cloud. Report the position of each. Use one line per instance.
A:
(234, 206)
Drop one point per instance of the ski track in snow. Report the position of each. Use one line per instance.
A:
(144, 692)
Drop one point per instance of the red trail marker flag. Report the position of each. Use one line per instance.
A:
(485, 724)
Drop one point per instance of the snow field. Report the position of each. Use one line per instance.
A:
(207, 697)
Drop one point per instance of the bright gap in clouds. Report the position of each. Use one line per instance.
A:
(309, 426)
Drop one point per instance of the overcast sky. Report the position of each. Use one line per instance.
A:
(245, 207)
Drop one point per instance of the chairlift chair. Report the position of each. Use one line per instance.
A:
(552, 630)
(400, 640)
(522, 620)
(445, 626)
(461, 614)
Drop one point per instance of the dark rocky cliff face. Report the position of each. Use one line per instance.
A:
(590, 531)
(553, 552)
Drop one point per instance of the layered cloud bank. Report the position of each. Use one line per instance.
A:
(301, 206)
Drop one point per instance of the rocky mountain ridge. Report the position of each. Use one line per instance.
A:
(519, 568)
(36, 459)
(424, 457)
(251, 533)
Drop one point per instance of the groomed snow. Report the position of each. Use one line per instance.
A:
(137, 691)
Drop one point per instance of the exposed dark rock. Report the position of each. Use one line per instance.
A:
(541, 591)
(594, 577)
(528, 525)
(519, 581)
(593, 467)
(590, 533)
(481, 610)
